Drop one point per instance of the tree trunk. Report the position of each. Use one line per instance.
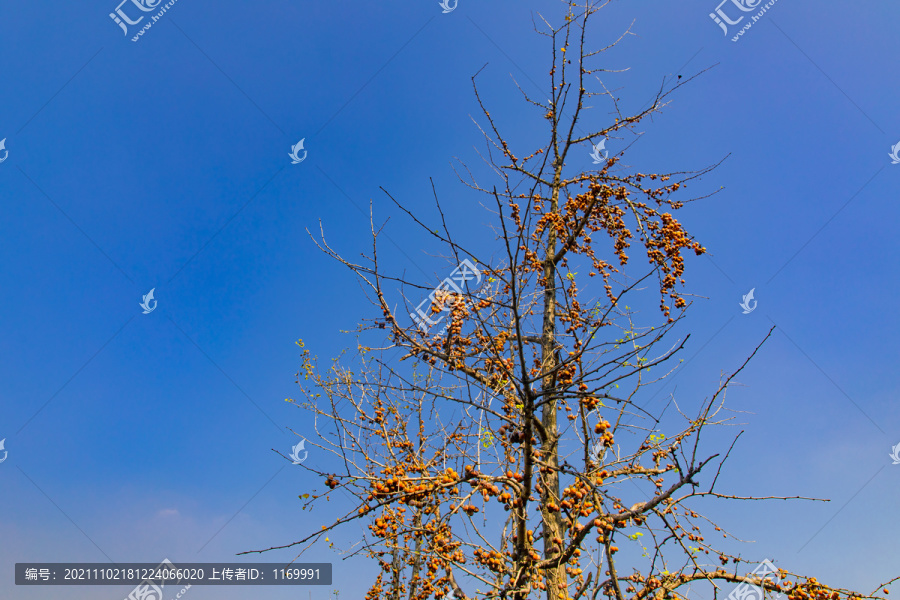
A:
(552, 521)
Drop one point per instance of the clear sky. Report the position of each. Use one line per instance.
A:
(163, 163)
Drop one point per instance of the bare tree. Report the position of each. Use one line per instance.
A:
(506, 454)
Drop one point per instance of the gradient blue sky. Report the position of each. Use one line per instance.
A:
(164, 164)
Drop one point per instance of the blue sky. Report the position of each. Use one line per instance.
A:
(164, 164)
